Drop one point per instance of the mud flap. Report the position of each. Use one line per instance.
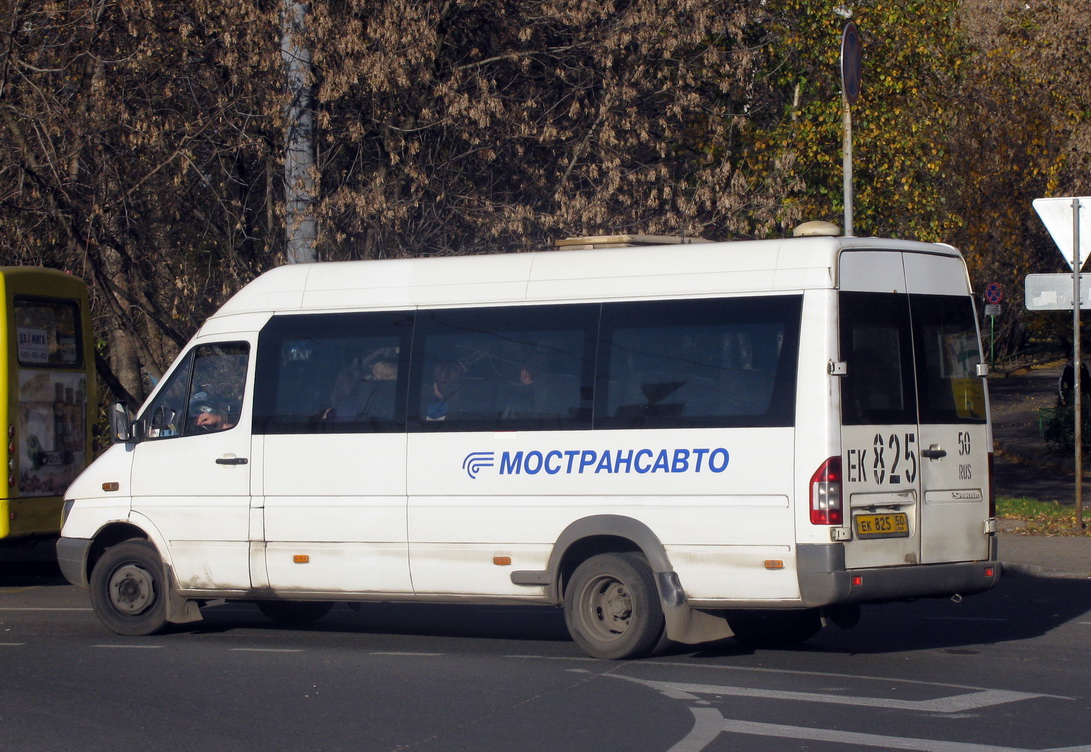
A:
(179, 610)
(686, 625)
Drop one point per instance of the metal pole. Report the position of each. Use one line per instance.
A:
(992, 341)
(846, 161)
(1077, 388)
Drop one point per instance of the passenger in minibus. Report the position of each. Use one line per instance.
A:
(447, 379)
(355, 389)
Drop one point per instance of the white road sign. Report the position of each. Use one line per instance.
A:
(1053, 292)
(1056, 215)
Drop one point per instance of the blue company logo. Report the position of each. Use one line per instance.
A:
(476, 461)
(593, 462)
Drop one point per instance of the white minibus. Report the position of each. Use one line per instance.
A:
(671, 442)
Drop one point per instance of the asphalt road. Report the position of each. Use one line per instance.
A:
(1005, 670)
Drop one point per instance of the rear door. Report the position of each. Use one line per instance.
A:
(954, 431)
(915, 434)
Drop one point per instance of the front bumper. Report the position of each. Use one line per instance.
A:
(72, 559)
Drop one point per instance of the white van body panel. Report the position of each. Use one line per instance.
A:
(339, 500)
(401, 509)
(761, 266)
(694, 488)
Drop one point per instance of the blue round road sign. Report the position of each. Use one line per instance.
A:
(851, 63)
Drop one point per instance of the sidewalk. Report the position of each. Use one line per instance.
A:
(1043, 556)
(1026, 466)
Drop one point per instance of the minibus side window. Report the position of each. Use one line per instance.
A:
(877, 345)
(947, 356)
(204, 393)
(332, 373)
(509, 368)
(693, 363)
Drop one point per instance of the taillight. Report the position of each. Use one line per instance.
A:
(826, 494)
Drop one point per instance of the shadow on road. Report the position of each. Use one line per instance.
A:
(25, 563)
(1018, 608)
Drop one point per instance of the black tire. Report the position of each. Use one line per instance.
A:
(295, 613)
(129, 589)
(774, 629)
(611, 607)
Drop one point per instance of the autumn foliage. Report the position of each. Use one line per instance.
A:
(144, 140)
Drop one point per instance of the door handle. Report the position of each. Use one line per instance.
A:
(231, 461)
(934, 452)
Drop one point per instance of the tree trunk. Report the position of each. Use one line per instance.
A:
(299, 152)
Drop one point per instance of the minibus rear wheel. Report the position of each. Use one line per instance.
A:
(611, 607)
(128, 589)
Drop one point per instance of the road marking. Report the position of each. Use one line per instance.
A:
(963, 618)
(12, 644)
(708, 723)
(951, 704)
(266, 650)
(3, 608)
(868, 740)
(130, 647)
(824, 674)
(397, 652)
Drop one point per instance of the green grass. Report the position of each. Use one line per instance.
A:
(1042, 517)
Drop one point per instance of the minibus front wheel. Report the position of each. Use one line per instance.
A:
(128, 589)
(611, 607)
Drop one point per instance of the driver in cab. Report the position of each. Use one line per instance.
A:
(211, 415)
(213, 421)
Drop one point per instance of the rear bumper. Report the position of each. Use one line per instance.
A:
(72, 559)
(824, 581)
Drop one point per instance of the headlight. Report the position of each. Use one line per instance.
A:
(66, 509)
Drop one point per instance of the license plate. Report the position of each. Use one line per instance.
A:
(882, 525)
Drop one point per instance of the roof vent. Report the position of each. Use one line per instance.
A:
(624, 241)
(816, 228)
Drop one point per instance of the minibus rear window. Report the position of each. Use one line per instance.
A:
(947, 357)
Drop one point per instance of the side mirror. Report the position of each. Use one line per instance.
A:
(121, 428)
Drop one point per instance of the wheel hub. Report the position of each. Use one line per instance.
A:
(131, 589)
(614, 607)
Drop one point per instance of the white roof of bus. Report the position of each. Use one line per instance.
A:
(556, 276)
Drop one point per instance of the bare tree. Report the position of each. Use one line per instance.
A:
(137, 154)
(491, 125)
